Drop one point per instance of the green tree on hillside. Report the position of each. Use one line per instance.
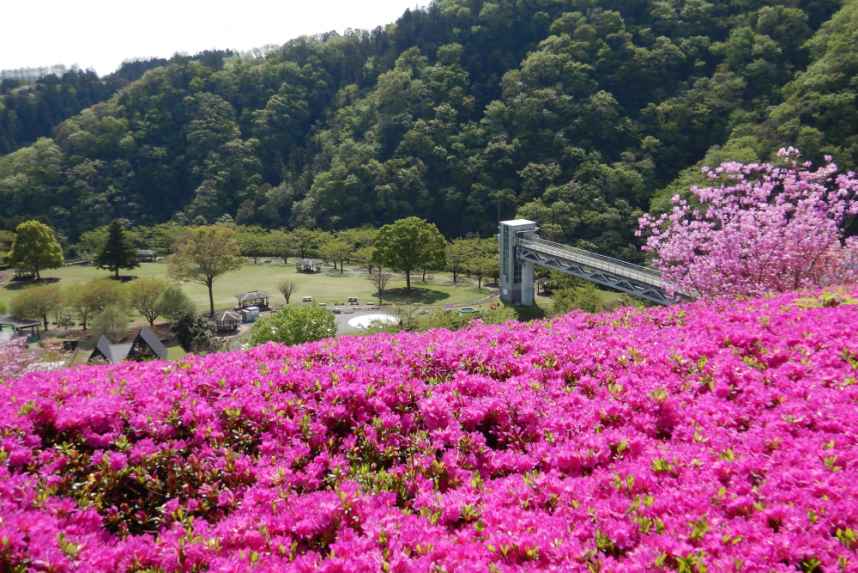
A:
(204, 255)
(35, 248)
(409, 244)
(117, 251)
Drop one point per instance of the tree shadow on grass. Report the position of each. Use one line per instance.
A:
(416, 296)
(348, 274)
(20, 285)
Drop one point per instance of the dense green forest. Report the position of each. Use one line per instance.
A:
(576, 113)
(30, 110)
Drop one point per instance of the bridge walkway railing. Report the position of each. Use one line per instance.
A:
(606, 264)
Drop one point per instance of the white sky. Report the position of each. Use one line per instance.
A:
(102, 33)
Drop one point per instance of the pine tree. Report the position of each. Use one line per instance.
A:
(117, 252)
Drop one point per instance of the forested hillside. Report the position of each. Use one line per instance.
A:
(575, 113)
(29, 110)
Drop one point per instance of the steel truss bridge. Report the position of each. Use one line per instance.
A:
(614, 273)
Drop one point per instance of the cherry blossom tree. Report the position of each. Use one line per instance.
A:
(763, 229)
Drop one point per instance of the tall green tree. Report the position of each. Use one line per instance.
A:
(409, 244)
(117, 252)
(204, 255)
(35, 248)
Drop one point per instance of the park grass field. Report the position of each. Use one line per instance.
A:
(329, 286)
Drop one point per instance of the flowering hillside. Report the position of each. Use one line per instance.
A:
(695, 438)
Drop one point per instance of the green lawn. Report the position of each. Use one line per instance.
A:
(328, 286)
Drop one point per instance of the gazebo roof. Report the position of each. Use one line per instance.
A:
(227, 315)
(146, 252)
(17, 322)
(252, 295)
(309, 262)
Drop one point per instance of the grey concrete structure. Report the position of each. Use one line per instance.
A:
(516, 276)
(522, 248)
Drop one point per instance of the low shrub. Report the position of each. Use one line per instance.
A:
(716, 437)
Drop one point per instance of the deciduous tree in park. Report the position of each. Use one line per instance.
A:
(204, 255)
(282, 244)
(107, 292)
(35, 248)
(196, 334)
(409, 244)
(286, 288)
(763, 229)
(144, 294)
(37, 303)
(337, 250)
(379, 281)
(82, 298)
(307, 241)
(293, 325)
(173, 303)
(111, 322)
(459, 254)
(117, 251)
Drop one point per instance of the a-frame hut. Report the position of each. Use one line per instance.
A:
(145, 346)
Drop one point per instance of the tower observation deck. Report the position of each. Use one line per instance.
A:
(521, 248)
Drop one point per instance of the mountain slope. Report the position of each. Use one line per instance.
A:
(572, 113)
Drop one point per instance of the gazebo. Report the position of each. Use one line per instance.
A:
(16, 325)
(253, 298)
(227, 320)
(309, 266)
(146, 255)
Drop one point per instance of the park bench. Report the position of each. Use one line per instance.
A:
(307, 299)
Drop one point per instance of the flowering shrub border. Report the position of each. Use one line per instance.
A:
(703, 437)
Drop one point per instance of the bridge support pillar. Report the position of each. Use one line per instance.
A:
(527, 283)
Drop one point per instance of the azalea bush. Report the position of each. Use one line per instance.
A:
(702, 437)
(14, 357)
(763, 229)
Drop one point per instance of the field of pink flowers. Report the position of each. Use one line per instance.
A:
(717, 437)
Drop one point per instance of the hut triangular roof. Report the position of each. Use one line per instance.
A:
(113, 353)
(148, 337)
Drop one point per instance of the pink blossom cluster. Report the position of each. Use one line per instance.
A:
(763, 229)
(717, 436)
(14, 358)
